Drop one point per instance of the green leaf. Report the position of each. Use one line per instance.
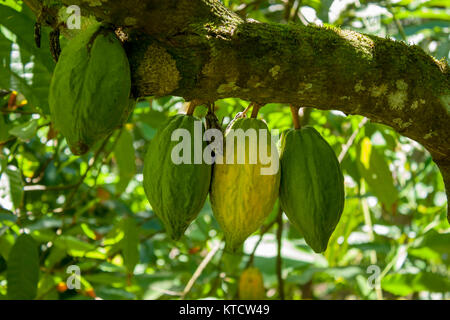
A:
(153, 118)
(438, 242)
(27, 58)
(71, 243)
(14, 186)
(88, 231)
(125, 159)
(23, 269)
(6, 215)
(6, 244)
(376, 172)
(130, 243)
(4, 128)
(25, 131)
(405, 284)
(107, 278)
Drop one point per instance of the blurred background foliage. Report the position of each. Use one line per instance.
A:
(92, 212)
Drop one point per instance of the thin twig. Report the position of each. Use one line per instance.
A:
(106, 156)
(255, 110)
(350, 140)
(263, 231)
(279, 266)
(216, 280)
(243, 11)
(295, 117)
(369, 225)
(396, 21)
(296, 10)
(91, 164)
(199, 270)
(287, 9)
(191, 107)
(251, 104)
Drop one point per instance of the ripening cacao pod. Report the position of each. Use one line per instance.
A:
(177, 187)
(251, 285)
(312, 185)
(245, 186)
(90, 88)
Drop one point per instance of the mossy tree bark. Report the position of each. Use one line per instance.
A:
(198, 49)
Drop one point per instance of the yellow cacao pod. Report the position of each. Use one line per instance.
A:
(241, 195)
(251, 285)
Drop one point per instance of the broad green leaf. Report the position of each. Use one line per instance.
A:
(405, 284)
(153, 118)
(46, 288)
(107, 278)
(436, 241)
(25, 131)
(350, 220)
(125, 158)
(88, 231)
(6, 243)
(375, 171)
(424, 13)
(55, 256)
(130, 243)
(13, 4)
(70, 243)
(25, 68)
(15, 185)
(111, 293)
(23, 269)
(4, 128)
(7, 216)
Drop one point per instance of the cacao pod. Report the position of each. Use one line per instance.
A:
(90, 88)
(176, 191)
(241, 196)
(312, 185)
(251, 285)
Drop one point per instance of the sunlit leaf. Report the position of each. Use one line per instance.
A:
(23, 269)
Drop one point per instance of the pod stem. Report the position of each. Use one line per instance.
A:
(192, 105)
(255, 109)
(248, 108)
(295, 117)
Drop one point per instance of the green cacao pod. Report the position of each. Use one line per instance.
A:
(90, 88)
(312, 185)
(241, 196)
(251, 285)
(176, 189)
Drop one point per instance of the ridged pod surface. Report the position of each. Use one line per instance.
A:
(312, 185)
(90, 88)
(176, 192)
(241, 197)
(251, 285)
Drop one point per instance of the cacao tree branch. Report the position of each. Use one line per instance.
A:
(198, 49)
